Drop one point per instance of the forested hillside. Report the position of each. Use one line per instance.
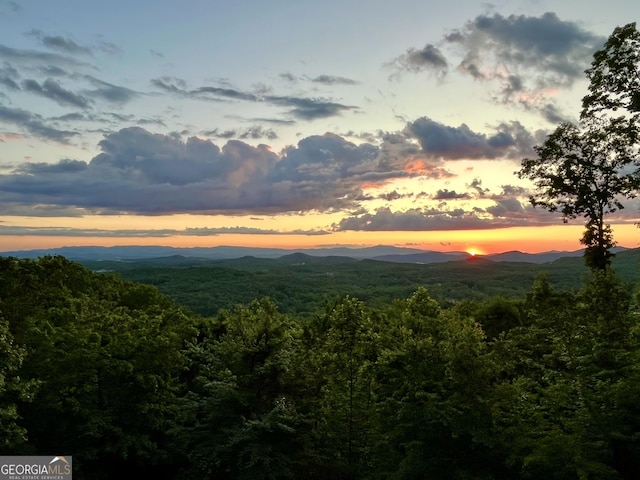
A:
(544, 385)
(303, 285)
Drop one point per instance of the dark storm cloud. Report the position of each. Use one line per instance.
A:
(54, 91)
(34, 124)
(445, 142)
(141, 172)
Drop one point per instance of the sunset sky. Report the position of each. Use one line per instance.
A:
(290, 123)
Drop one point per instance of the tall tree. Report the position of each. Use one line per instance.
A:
(238, 421)
(589, 169)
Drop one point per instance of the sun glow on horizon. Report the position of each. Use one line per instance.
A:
(473, 251)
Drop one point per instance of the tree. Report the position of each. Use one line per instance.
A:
(614, 75)
(237, 418)
(346, 356)
(12, 388)
(433, 379)
(589, 169)
(105, 356)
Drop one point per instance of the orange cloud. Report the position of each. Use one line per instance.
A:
(10, 137)
(374, 186)
(416, 166)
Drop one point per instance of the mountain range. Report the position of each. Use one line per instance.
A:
(380, 252)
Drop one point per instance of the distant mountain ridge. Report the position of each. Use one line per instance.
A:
(380, 252)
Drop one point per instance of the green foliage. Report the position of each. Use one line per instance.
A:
(588, 169)
(12, 389)
(106, 356)
(237, 420)
(542, 386)
(614, 75)
(433, 382)
(555, 402)
(304, 290)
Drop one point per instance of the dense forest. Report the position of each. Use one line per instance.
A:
(126, 380)
(302, 284)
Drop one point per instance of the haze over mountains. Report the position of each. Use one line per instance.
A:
(380, 252)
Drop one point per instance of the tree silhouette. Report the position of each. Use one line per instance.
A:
(589, 169)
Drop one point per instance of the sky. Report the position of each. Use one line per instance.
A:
(290, 123)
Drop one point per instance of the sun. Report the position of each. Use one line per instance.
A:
(473, 252)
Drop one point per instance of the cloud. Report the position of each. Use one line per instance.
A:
(476, 185)
(143, 233)
(109, 92)
(384, 219)
(544, 50)
(109, 48)
(506, 212)
(310, 108)
(429, 58)
(446, 194)
(34, 124)
(13, 6)
(327, 157)
(225, 92)
(510, 140)
(333, 80)
(141, 172)
(53, 71)
(256, 132)
(63, 166)
(513, 191)
(61, 44)
(9, 77)
(37, 58)
(302, 108)
(506, 206)
(54, 91)
(526, 58)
